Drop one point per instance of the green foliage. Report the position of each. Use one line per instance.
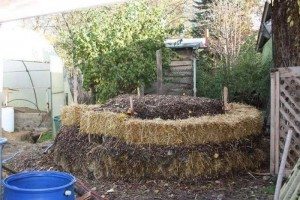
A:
(202, 15)
(270, 189)
(115, 50)
(45, 137)
(248, 79)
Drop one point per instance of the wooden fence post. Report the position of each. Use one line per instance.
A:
(272, 125)
(75, 85)
(276, 114)
(225, 98)
(159, 71)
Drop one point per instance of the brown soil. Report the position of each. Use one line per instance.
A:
(164, 106)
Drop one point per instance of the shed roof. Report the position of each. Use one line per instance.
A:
(194, 43)
(265, 29)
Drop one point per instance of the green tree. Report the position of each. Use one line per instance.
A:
(248, 81)
(115, 49)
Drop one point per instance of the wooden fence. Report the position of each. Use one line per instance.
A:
(179, 78)
(285, 110)
(291, 189)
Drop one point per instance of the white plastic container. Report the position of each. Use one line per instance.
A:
(8, 119)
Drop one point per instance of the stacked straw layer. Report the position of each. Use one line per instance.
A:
(241, 121)
(71, 115)
(107, 157)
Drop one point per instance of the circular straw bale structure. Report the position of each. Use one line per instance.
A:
(115, 144)
(241, 121)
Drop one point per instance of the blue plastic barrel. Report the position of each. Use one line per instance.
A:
(39, 185)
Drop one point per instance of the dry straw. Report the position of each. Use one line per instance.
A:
(241, 121)
(71, 115)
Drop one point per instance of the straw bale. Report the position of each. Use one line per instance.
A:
(241, 121)
(108, 157)
(105, 123)
(71, 115)
(104, 162)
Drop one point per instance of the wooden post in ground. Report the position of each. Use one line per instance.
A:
(206, 35)
(272, 125)
(141, 90)
(276, 115)
(75, 85)
(225, 98)
(159, 71)
(130, 111)
(282, 164)
(131, 103)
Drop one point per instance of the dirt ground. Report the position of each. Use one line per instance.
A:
(250, 185)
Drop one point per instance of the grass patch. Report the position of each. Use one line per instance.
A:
(270, 190)
(45, 137)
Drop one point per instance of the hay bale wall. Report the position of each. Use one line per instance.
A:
(71, 115)
(104, 144)
(108, 157)
(241, 121)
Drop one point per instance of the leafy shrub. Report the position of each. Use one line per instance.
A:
(115, 50)
(248, 79)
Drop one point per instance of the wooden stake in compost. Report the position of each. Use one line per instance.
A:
(75, 85)
(282, 164)
(141, 90)
(225, 98)
(159, 71)
(131, 109)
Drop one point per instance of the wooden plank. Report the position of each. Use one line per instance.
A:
(225, 98)
(181, 69)
(276, 114)
(292, 179)
(292, 111)
(291, 98)
(178, 85)
(195, 76)
(282, 164)
(159, 71)
(75, 85)
(289, 71)
(285, 115)
(188, 80)
(175, 63)
(272, 125)
(179, 75)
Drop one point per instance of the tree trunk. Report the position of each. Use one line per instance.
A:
(286, 33)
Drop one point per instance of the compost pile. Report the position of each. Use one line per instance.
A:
(158, 141)
(164, 106)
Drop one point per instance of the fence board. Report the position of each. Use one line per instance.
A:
(181, 63)
(277, 104)
(272, 127)
(285, 115)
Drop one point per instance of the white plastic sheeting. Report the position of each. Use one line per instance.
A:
(8, 119)
(32, 72)
(23, 44)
